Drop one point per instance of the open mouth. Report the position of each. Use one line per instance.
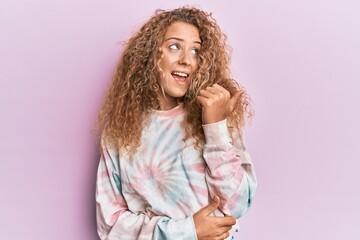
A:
(180, 77)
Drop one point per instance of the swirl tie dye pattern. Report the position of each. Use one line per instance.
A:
(154, 193)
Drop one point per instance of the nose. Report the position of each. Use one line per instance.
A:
(185, 58)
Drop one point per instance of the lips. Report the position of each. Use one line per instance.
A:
(180, 77)
(180, 74)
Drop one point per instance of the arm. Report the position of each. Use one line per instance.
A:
(230, 173)
(116, 221)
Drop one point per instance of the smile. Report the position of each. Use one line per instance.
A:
(180, 74)
(180, 77)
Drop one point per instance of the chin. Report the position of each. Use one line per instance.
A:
(179, 95)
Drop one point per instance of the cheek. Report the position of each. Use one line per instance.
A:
(164, 64)
(196, 64)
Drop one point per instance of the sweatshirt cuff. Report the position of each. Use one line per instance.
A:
(216, 133)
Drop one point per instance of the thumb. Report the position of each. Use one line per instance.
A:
(233, 100)
(215, 202)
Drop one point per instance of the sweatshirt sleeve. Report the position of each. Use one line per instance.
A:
(116, 221)
(230, 173)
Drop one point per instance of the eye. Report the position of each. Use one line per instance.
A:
(174, 47)
(195, 51)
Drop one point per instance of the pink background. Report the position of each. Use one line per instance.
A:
(299, 60)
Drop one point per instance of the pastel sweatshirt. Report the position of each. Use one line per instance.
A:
(154, 193)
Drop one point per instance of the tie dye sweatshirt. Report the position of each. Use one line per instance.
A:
(154, 193)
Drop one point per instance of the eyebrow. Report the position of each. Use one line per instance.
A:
(181, 40)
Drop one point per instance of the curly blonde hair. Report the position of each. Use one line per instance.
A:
(135, 86)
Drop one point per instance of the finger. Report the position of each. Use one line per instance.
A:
(234, 99)
(218, 232)
(226, 221)
(220, 88)
(215, 93)
(212, 90)
(206, 94)
(224, 235)
(202, 100)
(225, 229)
(214, 204)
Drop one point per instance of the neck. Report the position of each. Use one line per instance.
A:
(167, 103)
(167, 106)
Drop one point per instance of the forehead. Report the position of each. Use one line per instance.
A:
(182, 30)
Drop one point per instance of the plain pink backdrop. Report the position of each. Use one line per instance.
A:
(299, 60)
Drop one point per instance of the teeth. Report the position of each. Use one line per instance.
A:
(180, 74)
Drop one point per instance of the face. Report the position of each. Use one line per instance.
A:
(178, 62)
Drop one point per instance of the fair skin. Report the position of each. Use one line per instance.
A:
(179, 61)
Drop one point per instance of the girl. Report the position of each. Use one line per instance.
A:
(173, 159)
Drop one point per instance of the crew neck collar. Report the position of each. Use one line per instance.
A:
(171, 112)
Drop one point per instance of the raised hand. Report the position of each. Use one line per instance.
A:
(216, 103)
(210, 227)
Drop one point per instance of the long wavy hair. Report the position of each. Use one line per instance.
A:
(135, 87)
